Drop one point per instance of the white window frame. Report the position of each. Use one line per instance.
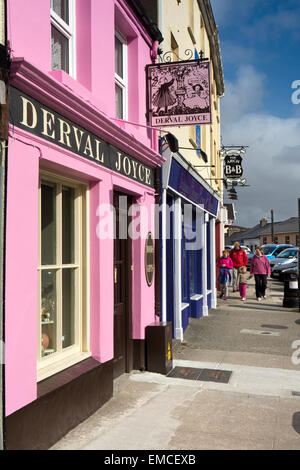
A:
(123, 82)
(69, 32)
(64, 358)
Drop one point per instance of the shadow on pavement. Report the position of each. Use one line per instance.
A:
(296, 422)
(258, 307)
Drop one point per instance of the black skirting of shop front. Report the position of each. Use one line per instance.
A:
(64, 401)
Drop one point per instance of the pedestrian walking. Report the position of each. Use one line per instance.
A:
(239, 258)
(260, 268)
(225, 264)
(244, 276)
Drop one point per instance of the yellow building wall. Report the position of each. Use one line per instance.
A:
(183, 28)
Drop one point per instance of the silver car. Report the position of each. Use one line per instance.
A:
(280, 270)
(285, 258)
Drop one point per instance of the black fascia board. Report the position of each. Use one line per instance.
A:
(149, 25)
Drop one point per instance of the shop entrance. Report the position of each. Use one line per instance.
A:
(122, 287)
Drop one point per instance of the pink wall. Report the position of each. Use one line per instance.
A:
(22, 261)
(29, 37)
(21, 276)
(95, 29)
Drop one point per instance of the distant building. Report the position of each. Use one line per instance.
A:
(234, 229)
(285, 232)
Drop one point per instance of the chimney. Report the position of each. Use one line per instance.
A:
(263, 222)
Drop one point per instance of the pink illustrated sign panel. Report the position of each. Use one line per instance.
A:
(179, 94)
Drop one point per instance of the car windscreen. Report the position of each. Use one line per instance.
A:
(288, 254)
(268, 249)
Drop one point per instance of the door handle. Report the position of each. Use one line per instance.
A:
(115, 275)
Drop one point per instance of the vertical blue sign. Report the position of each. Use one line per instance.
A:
(198, 128)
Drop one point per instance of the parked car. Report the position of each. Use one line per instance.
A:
(280, 270)
(271, 251)
(286, 257)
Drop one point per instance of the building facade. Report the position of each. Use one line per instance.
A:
(78, 297)
(192, 175)
(285, 232)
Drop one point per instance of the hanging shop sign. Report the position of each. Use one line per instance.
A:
(233, 166)
(179, 93)
(31, 116)
(149, 259)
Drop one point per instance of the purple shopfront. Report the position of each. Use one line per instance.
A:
(77, 297)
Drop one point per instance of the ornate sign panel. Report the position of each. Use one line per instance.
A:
(179, 93)
(233, 166)
(149, 259)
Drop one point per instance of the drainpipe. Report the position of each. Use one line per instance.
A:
(160, 14)
(154, 51)
(4, 65)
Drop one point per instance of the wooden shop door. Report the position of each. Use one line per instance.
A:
(122, 287)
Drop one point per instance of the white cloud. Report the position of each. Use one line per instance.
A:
(272, 163)
(258, 20)
(245, 95)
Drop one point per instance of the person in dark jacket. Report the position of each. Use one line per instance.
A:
(239, 258)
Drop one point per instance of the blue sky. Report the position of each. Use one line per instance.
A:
(265, 34)
(260, 43)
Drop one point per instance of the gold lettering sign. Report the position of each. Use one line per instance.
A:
(32, 116)
(149, 259)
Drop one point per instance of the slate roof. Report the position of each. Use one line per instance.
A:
(290, 225)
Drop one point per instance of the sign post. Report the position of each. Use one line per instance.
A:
(299, 250)
(272, 225)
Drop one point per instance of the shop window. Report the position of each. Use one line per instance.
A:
(276, 240)
(287, 239)
(264, 240)
(184, 268)
(121, 76)
(62, 14)
(62, 284)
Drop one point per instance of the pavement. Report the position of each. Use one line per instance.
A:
(258, 343)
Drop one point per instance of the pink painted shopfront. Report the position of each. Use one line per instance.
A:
(77, 298)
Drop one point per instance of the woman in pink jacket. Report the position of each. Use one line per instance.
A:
(260, 267)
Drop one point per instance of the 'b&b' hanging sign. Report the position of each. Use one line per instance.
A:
(233, 166)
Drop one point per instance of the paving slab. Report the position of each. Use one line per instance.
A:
(255, 410)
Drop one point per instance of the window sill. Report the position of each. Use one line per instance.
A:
(47, 371)
(197, 297)
(67, 376)
(184, 305)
